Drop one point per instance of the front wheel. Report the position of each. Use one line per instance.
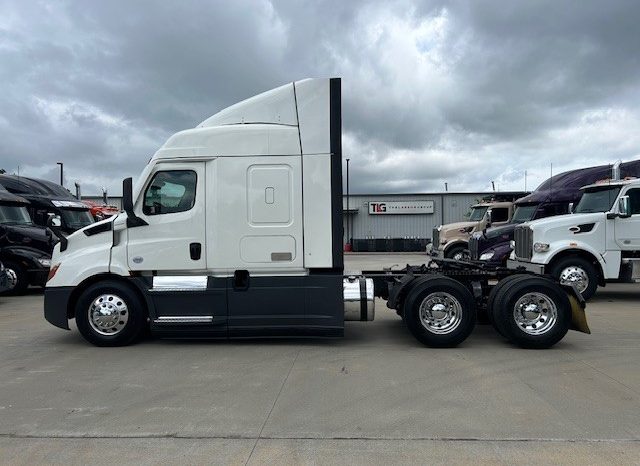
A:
(110, 313)
(578, 272)
(532, 312)
(458, 253)
(17, 280)
(440, 312)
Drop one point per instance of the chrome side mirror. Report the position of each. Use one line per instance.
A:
(571, 207)
(624, 209)
(487, 218)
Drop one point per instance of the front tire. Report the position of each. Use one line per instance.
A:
(532, 312)
(440, 312)
(579, 272)
(458, 253)
(110, 313)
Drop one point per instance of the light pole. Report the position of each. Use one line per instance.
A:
(61, 173)
(348, 217)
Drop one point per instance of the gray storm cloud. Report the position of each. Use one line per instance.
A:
(463, 92)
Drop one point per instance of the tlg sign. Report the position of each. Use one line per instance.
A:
(400, 207)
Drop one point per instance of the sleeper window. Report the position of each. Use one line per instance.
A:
(170, 192)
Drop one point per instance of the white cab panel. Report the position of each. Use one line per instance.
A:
(277, 106)
(165, 243)
(317, 211)
(314, 116)
(254, 214)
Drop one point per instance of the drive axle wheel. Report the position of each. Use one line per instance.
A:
(532, 312)
(496, 294)
(440, 312)
(110, 314)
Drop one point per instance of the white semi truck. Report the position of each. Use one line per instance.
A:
(598, 243)
(234, 229)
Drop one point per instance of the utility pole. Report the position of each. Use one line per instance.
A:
(493, 185)
(525, 180)
(446, 187)
(61, 173)
(348, 216)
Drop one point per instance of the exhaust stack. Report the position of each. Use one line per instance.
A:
(615, 171)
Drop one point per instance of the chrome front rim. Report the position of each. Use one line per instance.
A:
(12, 278)
(440, 313)
(108, 314)
(574, 275)
(535, 313)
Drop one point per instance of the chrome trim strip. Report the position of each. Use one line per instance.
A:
(183, 320)
(179, 283)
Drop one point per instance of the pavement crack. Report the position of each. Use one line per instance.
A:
(272, 408)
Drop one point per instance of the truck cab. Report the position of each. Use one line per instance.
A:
(553, 197)
(598, 242)
(25, 248)
(234, 228)
(46, 199)
(451, 240)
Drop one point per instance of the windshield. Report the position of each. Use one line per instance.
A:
(524, 213)
(477, 213)
(597, 200)
(14, 215)
(76, 219)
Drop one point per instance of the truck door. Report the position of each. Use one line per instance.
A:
(627, 230)
(173, 204)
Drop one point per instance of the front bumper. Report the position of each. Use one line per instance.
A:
(528, 266)
(56, 305)
(38, 277)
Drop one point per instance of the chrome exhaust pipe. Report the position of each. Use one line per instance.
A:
(615, 171)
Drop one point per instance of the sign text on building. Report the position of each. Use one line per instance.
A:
(400, 207)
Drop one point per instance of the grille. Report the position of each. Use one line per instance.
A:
(473, 249)
(435, 240)
(524, 242)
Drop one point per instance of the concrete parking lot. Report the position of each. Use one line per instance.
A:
(376, 396)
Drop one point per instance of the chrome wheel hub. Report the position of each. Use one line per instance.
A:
(108, 314)
(574, 275)
(12, 278)
(535, 313)
(440, 313)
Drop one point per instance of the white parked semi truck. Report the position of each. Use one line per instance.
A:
(234, 229)
(598, 243)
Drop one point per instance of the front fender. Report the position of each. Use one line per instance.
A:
(561, 247)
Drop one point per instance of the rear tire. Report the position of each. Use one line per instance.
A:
(17, 277)
(110, 313)
(578, 271)
(496, 293)
(440, 312)
(532, 312)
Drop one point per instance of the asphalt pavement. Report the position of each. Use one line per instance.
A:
(374, 397)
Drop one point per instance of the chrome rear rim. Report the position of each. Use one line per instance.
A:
(108, 314)
(535, 313)
(440, 313)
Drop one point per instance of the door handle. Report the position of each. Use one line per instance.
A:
(241, 280)
(195, 250)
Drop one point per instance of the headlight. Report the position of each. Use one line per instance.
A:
(487, 255)
(512, 244)
(45, 262)
(540, 247)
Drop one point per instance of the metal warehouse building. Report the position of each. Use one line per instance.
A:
(401, 222)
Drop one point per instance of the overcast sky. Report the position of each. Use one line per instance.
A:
(464, 92)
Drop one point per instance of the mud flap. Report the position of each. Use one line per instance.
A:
(578, 316)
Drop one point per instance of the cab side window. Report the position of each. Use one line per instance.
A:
(170, 192)
(634, 201)
(501, 214)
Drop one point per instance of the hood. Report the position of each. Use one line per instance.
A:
(452, 230)
(566, 220)
(28, 235)
(502, 230)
